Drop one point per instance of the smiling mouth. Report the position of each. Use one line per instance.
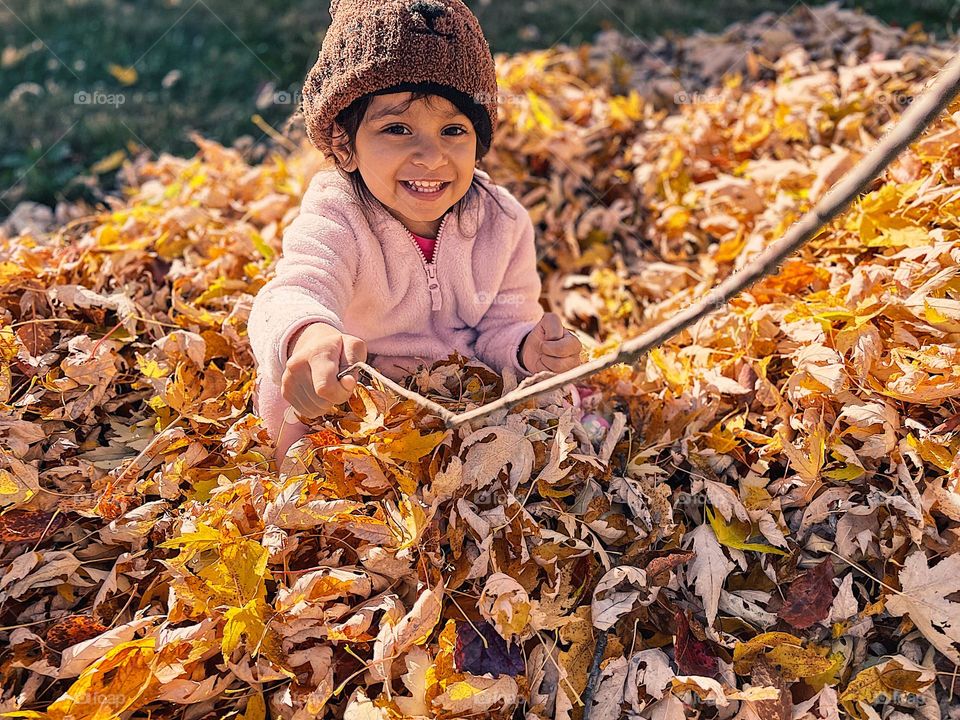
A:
(425, 193)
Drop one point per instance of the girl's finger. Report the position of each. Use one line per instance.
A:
(552, 327)
(565, 347)
(551, 363)
(308, 404)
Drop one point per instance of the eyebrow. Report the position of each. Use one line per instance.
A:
(392, 111)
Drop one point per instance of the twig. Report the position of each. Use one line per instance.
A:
(402, 391)
(594, 675)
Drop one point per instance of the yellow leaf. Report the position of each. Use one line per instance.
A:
(910, 236)
(675, 218)
(247, 620)
(221, 287)
(203, 538)
(121, 680)
(124, 75)
(728, 250)
(753, 137)
(541, 112)
(735, 533)
(409, 522)
(8, 486)
(505, 603)
(879, 680)
(11, 271)
(261, 245)
(785, 650)
(721, 439)
(442, 672)
(846, 473)
(625, 110)
(938, 455)
(808, 464)
(798, 662)
(256, 708)
(673, 372)
(405, 443)
(110, 162)
(831, 676)
(150, 368)
(932, 315)
(478, 694)
(241, 572)
(746, 650)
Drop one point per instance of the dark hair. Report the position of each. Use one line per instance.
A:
(350, 118)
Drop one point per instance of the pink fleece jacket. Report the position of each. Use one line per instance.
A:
(478, 294)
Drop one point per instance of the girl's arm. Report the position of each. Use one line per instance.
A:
(314, 282)
(516, 309)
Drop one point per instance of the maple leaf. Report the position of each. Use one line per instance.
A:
(923, 595)
(412, 629)
(479, 653)
(21, 525)
(883, 681)
(809, 597)
(609, 603)
(693, 655)
(763, 674)
(72, 630)
(506, 605)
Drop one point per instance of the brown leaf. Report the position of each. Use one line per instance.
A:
(72, 630)
(19, 525)
(693, 656)
(763, 673)
(809, 597)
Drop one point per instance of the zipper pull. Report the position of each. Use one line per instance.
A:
(433, 286)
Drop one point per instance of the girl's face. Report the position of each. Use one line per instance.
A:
(429, 140)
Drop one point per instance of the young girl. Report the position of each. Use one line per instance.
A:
(405, 249)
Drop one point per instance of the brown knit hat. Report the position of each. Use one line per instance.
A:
(377, 45)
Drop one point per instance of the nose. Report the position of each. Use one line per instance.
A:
(429, 154)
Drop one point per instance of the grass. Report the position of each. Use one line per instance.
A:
(202, 65)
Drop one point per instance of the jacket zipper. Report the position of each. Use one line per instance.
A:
(433, 284)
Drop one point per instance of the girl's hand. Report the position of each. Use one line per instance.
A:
(549, 346)
(309, 381)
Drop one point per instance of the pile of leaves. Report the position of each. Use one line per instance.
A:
(760, 519)
(672, 70)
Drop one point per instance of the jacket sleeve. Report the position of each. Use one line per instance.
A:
(516, 308)
(313, 282)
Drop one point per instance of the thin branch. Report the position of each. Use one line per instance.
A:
(416, 397)
(594, 677)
